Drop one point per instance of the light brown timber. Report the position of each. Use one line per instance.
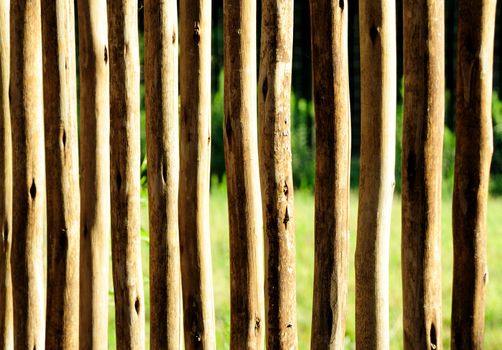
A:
(243, 182)
(161, 78)
(377, 28)
(276, 173)
(26, 94)
(332, 109)
(63, 192)
(195, 244)
(6, 316)
(473, 155)
(421, 168)
(125, 158)
(94, 173)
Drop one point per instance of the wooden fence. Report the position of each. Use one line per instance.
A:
(80, 195)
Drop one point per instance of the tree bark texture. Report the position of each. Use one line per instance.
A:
(473, 155)
(276, 173)
(26, 94)
(421, 180)
(94, 173)
(195, 244)
(161, 77)
(124, 173)
(243, 181)
(377, 27)
(332, 132)
(6, 316)
(63, 193)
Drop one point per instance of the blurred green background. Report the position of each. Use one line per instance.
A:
(303, 145)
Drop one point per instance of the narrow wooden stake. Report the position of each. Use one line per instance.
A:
(161, 77)
(377, 27)
(195, 243)
(26, 96)
(332, 108)
(243, 181)
(476, 28)
(276, 172)
(63, 194)
(421, 180)
(94, 173)
(6, 316)
(124, 173)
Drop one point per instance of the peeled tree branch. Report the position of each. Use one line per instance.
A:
(473, 154)
(377, 25)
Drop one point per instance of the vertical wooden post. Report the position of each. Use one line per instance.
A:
(94, 173)
(474, 149)
(195, 244)
(377, 27)
(26, 94)
(63, 195)
(161, 77)
(243, 182)
(276, 172)
(124, 173)
(421, 163)
(332, 109)
(6, 317)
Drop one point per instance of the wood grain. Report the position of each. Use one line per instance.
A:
(6, 312)
(125, 158)
(94, 173)
(423, 125)
(161, 78)
(276, 173)
(332, 132)
(377, 28)
(473, 155)
(195, 153)
(243, 179)
(63, 192)
(26, 96)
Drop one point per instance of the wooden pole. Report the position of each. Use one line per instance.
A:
(26, 96)
(94, 173)
(421, 163)
(161, 77)
(195, 244)
(377, 28)
(332, 108)
(6, 316)
(63, 194)
(243, 181)
(276, 172)
(473, 155)
(124, 173)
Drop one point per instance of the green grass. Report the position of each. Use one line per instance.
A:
(304, 216)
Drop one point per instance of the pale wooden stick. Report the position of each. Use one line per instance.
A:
(26, 94)
(276, 172)
(476, 30)
(161, 77)
(63, 193)
(331, 102)
(421, 168)
(94, 173)
(377, 27)
(195, 244)
(124, 173)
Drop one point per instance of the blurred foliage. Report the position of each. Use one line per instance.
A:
(496, 169)
(302, 112)
(303, 142)
(302, 115)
